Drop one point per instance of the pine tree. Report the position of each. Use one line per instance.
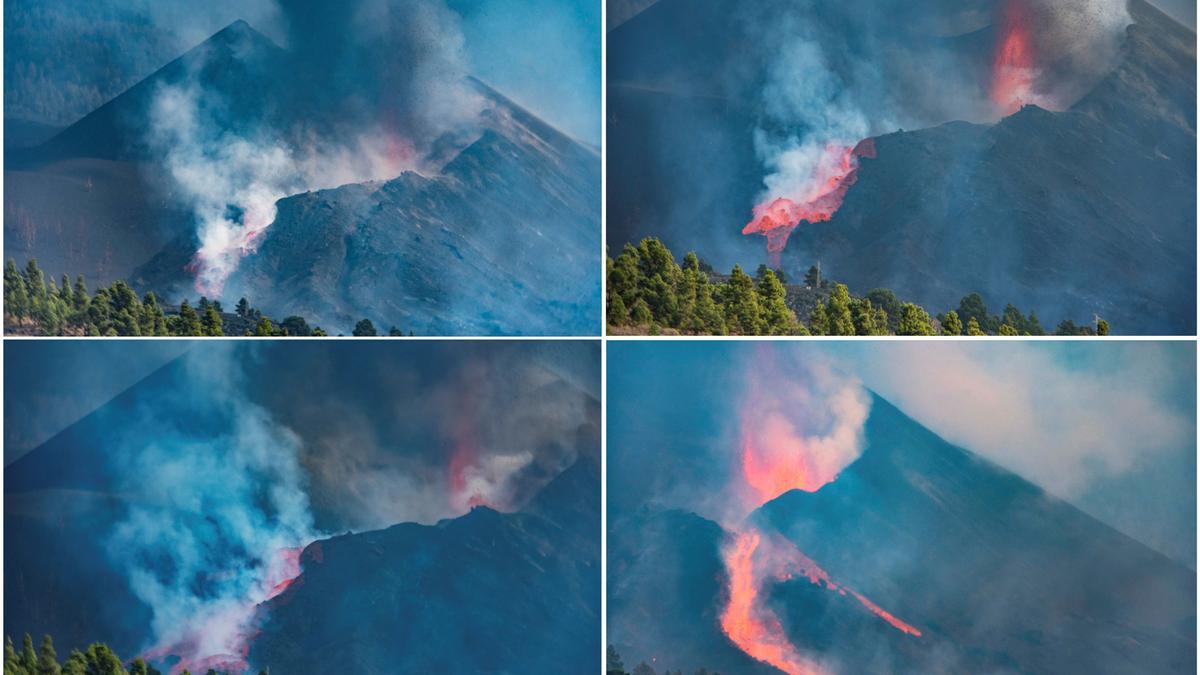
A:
(47, 658)
(708, 312)
(777, 317)
(364, 328)
(973, 328)
(743, 315)
(1101, 327)
(950, 324)
(914, 320)
(868, 319)
(189, 321)
(264, 328)
(211, 322)
(841, 322)
(16, 293)
(818, 323)
(641, 313)
(617, 314)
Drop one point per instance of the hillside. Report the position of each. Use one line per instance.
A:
(498, 235)
(997, 575)
(487, 592)
(1072, 214)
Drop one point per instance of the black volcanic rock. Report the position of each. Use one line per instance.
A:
(998, 576)
(487, 592)
(502, 236)
(502, 241)
(1090, 211)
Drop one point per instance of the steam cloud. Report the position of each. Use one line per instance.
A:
(204, 539)
(365, 90)
(801, 424)
(836, 74)
(225, 482)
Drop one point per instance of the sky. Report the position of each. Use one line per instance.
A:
(1183, 11)
(1108, 426)
(544, 54)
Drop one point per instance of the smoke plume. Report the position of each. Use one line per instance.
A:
(362, 92)
(801, 424)
(207, 534)
(833, 76)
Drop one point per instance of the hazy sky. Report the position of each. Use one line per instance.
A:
(1184, 11)
(1109, 426)
(544, 54)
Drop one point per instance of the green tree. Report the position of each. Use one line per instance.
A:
(1006, 329)
(1101, 327)
(914, 320)
(841, 321)
(973, 328)
(743, 315)
(868, 319)
(778, 319)
(641, 313)
(47, 658)
(264, 328)
(889, 303)
(242, 309)
(12, 662)
(16, 295)
(973, 307)
(613, 663)
(618, 315)
(812, 278)
(211, 323)
(189, 321)
(364, 328)
(951, 324)
(818, 323)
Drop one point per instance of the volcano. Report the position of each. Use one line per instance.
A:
(991, 573)
(496, 236)
(483, 590)
(1073, 213)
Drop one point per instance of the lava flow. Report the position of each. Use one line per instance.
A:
(752, 563)
(221, 639)
(1013, 63)
(783, 450)
(835, 174)
(754, 630)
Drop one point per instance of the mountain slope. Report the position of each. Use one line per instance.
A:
(483, 593)
(997, 575)
(1072, 214)
(502, 239)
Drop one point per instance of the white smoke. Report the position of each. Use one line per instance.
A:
(801, 424)
(369, 87)
(233, 182)
(209, 517)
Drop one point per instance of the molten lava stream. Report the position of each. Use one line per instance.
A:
(776, 218)
(756, 630)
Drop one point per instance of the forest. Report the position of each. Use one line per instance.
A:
(97, 659)
(34, 305)
(648, 292)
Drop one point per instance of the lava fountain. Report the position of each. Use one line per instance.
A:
(795, 436)
(816, 202)
(1013, 68)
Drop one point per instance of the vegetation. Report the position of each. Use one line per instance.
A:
(98, 659)
(35, 306)
(649, 293)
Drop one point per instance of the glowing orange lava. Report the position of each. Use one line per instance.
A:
(822, 197)
(1013, 62)
(753, 629)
